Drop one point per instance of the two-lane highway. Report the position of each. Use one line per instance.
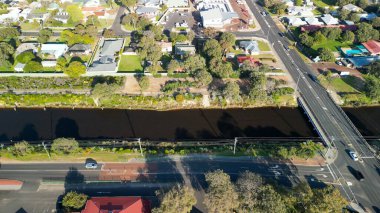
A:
(339, 130)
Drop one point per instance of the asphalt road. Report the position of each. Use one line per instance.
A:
(34, 196)
(342, 134)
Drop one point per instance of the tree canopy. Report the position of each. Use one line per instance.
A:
(44, 35)
(75, 13)
(64, 145)
(33, 66)
(75, 69)
(212, 49)
(179, 199)
(74, 201)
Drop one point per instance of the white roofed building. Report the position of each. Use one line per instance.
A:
(216, 18)
(313, 21)
(352, 8)
(57, 50)
(329, 19)
(301, 11)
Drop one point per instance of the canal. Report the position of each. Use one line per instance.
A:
(36, 124)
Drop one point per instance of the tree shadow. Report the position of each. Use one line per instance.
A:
(28, 133)
(355, 82)
(103, 79)
(182, 133)
(314, 182)
(67, 127)
(229, 127)
(21, 210)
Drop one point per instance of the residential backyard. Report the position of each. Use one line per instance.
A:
(130, 63)
(263, 46)
(331, 44)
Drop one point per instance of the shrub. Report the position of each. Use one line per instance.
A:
(64, 145)
(33, 66)
(25, 57)
(74, 201)
(22, 148)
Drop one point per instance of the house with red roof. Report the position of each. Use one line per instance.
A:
(117, 205)
(372, 46)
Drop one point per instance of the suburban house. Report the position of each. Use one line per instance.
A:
(373, 47)
(184, 49)
(105, 57)
(38, 16)
(300, 11)
(216, 18)
(148, 12)
(329, 19)
(27, 47)
(295, 21)
(288, 3)
(250, 47)
(12, 16)
(177, 3)
(309, 3)
(53, 6)
(80, 49)
(117, 205)
(241, 59)
(166, 47)
(62, 16)
(54, 49)
(149, 3)
(313, 28)
(313, 21)
(367, 16)
(352, 8)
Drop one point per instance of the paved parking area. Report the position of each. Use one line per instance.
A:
(179, 17)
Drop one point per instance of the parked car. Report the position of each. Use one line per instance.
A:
(91, 165)
(353, 155)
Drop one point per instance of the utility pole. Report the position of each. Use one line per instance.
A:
(235, 142)
(44, 145)
(139, 140)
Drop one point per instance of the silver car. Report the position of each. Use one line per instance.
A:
(353, 155)
(91, 165)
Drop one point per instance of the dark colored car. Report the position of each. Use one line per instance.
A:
(281, 34)
(286, 47)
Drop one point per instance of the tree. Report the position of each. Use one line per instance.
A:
(131, 19)
(366, 32)
(298, 2)
(227, 40)
(327, 199)
(143, 82)
(331, 33)
(319, 37)
(130, 4)
(149, 49)
(269, 200)
(374, 69)
(157, 30)
(326, 54)
(75, 69)
(194, 63)
(6, 52)
(376, 22)
(75, 13)
(64, 146)
(257, 84)
(33, 66)
(22, 148)
(341, 3)
(179, 199)
(372, 86)
(231, 91)
(190, 36)
(212, 49)
(279, 8)
(343, 14)
(202, 77)
(220, 68)
(173, 66)
(248, 185)
(108, 33)
(74, 201)
(102, 90)
(210, 32)
(362, 3)
(306, 39)
(143, 23)
(25, 57)
(8, 33)
(44, 35)
(309, 149)
(61, 63)
(354, 17)
(221, 195)
(93, 20)
(348, 36)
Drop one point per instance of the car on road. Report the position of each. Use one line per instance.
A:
(91, 165)
(353, 155)
(281, 34)
(264, 13)
(286, 47)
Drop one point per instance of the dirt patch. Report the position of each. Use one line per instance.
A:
(128, 171)
(322, 67)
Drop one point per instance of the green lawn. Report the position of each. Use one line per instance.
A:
(324, 3)
(330, 44)
(347, 84)
(130, 63)
(128, 27)
(263, 46)
(30, 26)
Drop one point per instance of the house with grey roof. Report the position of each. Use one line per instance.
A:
(62, 16)
(177, 3)
(182, 49)
(352, 8)
(367, 16)
(37, 16)
(80, 49)
(105, 57)
(27, 47)
(295, 21)
(216, 18)
(313, 21)
(329, 19)
(148, 12)
(250, 47)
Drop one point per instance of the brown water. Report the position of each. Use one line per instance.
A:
(35, 124)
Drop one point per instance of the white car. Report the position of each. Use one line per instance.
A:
(353, 155)
(339, 63)
(91, 165)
